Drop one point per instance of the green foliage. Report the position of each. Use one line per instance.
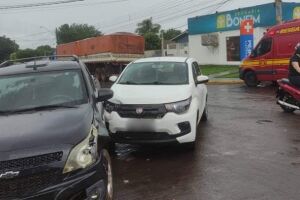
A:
(152, 41)
(214, 69)
(150, 32)
(44, 50)
(170, 33)
(69, 33)
(147, 26)
(7, 46)
(24, 53)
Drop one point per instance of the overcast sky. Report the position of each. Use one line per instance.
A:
(31, 27)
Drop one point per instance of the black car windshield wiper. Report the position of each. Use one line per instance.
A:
(38, 108)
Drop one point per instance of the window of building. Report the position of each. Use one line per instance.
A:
(233, 48)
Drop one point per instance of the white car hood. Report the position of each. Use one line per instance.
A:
(149, 94)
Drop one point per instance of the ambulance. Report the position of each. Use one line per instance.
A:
(269, 60)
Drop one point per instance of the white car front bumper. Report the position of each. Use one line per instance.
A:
(179, 128)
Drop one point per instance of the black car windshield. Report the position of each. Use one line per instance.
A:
(41, 90)
(155, 73)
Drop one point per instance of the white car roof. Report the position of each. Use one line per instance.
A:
(162, 59)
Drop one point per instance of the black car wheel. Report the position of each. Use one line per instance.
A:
(109, 175)
(250, 79)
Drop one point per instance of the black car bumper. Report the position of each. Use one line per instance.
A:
(83, 185)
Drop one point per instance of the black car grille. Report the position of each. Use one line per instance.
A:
(30, 162)
(148, 111)
(23, 186)
(29, 180)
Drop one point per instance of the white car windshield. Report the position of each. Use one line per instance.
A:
(36, 90)
(155, 73)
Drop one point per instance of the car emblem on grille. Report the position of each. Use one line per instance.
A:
(139, 111)
(9, 175)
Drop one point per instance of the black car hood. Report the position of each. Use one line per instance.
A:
(43, 129)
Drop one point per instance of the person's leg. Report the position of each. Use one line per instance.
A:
(295, 80)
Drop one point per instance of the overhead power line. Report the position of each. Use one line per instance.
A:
(31, 5)
(55, 7)
(191, 9)
(152, 13)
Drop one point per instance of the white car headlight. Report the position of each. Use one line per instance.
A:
(179, 107)
(84, 154)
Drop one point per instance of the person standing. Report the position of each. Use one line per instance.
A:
(294, 68)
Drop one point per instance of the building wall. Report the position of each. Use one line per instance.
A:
(152, 53)
(217, 55)
(178, 49)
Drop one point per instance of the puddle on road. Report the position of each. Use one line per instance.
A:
(296, 140)
(296, 164)
(124, 151)
(264, 121)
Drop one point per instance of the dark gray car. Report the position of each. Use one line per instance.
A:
(52, 137)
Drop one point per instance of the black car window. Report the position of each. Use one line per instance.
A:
(25, 91)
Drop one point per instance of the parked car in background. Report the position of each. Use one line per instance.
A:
(269, 60)
(157, 100)
(51, 144)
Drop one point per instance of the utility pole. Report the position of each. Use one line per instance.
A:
(162, 44)
(278, 5)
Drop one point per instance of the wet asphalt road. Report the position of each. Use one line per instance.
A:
(249, 149)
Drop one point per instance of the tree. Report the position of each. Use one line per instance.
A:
(152, 41)
(7, 46)
(44, 50)
(147, 26)
(23, 53)
(69, 33)
(150, 32)
(170, 33)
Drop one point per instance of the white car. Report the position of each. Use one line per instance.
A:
(157, 100)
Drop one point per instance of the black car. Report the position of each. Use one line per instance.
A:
(52, 140)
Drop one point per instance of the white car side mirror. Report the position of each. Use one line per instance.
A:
(202, 79)
(113, 78)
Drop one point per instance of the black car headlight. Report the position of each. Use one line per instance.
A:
(83, 154)
(179, 107)
(110, 107)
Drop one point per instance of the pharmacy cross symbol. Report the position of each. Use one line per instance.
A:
(248, 27)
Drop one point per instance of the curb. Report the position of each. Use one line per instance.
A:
(224, 81)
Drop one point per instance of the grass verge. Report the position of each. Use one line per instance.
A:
(215, 69)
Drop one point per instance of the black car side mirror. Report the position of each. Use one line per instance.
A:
(104, 94)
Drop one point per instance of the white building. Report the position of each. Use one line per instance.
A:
(178, 46)
(215, 39)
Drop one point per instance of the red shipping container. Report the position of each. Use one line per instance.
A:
(120, 43)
